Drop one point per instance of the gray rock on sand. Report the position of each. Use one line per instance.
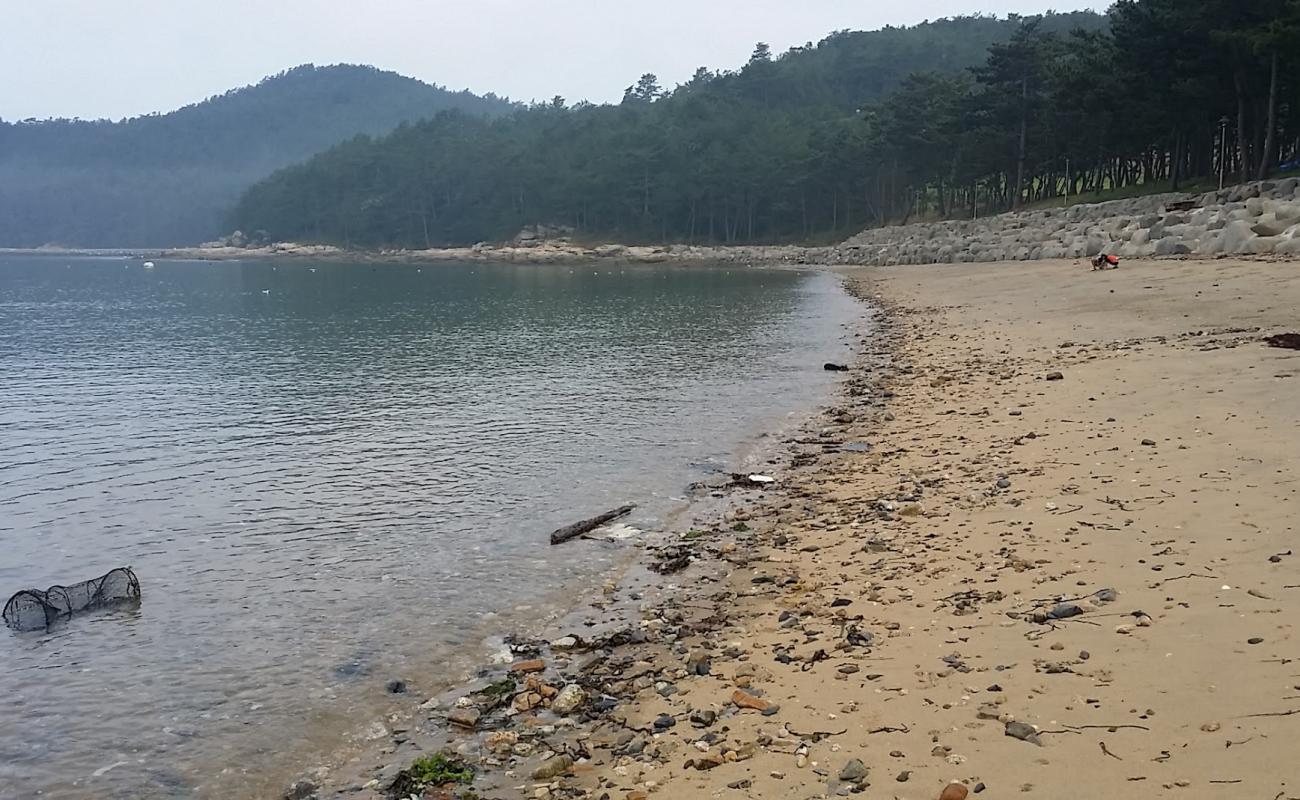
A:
(853, 772)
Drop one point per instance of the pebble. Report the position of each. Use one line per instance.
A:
(396, 686)
(954, 791)
(569, 699)
(853, 772)
(1211, 727)
(664, 722)
(1148, 443)
(553, 767)
(1055, 376)
(464, 717)
(1255, 640)
(301, 790)
(1023, 732)
(532, 665)
(747, 700)
(904, 776)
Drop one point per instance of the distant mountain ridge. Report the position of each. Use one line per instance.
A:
(168, 179)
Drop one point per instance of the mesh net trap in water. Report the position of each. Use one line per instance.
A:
(34, 610)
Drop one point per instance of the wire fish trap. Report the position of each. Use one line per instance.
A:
(34, 610)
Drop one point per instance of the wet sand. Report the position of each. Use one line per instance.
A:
(1069, 587)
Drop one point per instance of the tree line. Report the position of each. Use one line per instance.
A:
(957, 117)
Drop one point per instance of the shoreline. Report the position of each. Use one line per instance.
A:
(416, 722)
(1071, 586)
(542, 252)
(568, 639)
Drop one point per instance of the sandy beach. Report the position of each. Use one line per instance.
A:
(1046, 546)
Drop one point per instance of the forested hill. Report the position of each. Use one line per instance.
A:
(169, 179)
(775, 149)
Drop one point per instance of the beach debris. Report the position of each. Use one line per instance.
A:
(33, 609)
(829, 367)
(562, 535)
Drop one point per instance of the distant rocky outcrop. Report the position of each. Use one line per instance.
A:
(534, 235)
(1252, 219)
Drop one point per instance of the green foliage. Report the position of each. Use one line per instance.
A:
(168, 179)
(777, 150)
(431, 772)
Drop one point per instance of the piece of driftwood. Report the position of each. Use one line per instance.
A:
(588, 525)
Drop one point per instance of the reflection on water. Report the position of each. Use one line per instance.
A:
(325, 473)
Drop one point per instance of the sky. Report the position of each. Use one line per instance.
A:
(117, 58)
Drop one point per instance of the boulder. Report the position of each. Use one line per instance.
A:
(1261, 245)
(1235, 234)
(1171, 246)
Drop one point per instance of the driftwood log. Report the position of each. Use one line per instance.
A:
(588, 525)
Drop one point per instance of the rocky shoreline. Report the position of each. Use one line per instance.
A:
(1043, 546)
(1260, 219)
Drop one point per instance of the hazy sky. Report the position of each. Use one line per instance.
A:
(114, 58)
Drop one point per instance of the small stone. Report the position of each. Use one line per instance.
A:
(464, 717)
(703, 718)
(553, 767)
(954, 791)
(854, 771)
(569, 699)
(979, 787)
(1211, 727)
(501, 742)
(1107, 595)
(847, 669)
(396, 686)
(663, 722)
(1064, 611)
(1148, 442)
(706, 762)
(300, 790)
(532, 665)
(1023, 732)
(904, 776)
(1004, 483)
(747, 700)
(1255, 640)
(1055, 376)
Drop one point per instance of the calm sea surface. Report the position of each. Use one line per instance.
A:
(328, 475)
